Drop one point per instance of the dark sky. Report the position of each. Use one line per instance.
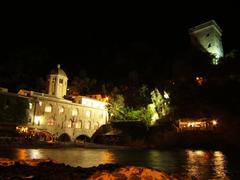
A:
(109, 43)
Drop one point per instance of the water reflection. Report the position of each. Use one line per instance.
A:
(219, 164)
(22, 154)
(202, 163)
(108, 157)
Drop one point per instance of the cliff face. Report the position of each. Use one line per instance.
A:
(161, 136)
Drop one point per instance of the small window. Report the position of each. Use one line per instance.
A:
(78, 125)
(50, 122)
(88, 113)
(207, 34)
(61, 110)
(209, 45)
(74, 112)
(30, 105)
(61, 81)
(48, 108)
(40, 103)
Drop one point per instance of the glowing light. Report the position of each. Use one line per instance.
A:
(37, 119)
(200, 80)
(107, 99)
(165, 95)
(30, 105)
(35, 154)
(214, 122)
(22, 129)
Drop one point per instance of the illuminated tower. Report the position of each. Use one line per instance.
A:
(57, 82)
(208, 35)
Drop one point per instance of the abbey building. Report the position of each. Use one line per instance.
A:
(55, 115)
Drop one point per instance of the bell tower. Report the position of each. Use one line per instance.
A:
(57, 82)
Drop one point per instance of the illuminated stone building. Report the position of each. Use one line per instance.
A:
(208, 36)
(56, 116)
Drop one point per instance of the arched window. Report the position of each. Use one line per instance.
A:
(61, 110)
(48, 108)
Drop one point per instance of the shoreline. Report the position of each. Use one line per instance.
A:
(47, 169)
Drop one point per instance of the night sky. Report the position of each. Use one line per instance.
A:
(108, 44)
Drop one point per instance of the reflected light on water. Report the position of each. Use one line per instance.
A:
(22, 154)
(199, 161)
(35, 154)
(219, 164)
(195, 162)
(108, 157)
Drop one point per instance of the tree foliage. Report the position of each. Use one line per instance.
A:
(120, 111)
(13, 109)
(116, 107)
(160, 102)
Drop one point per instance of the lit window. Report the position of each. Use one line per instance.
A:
(40, 103)
(50, 122)
(30, 105)
(74, 112)
(48, 108)
(61, 110)
(88, 114)
(37, 120)
(78, 125)
(69, 124)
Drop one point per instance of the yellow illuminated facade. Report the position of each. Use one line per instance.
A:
(53, 114)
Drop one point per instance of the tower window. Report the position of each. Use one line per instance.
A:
(209, 45)
(61, 81)
(207, 34)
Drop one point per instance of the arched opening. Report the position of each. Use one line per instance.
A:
(45, 136)
(64, 138)
(83, 138)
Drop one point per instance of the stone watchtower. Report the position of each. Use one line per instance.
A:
(57, 82)
(208, 35)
